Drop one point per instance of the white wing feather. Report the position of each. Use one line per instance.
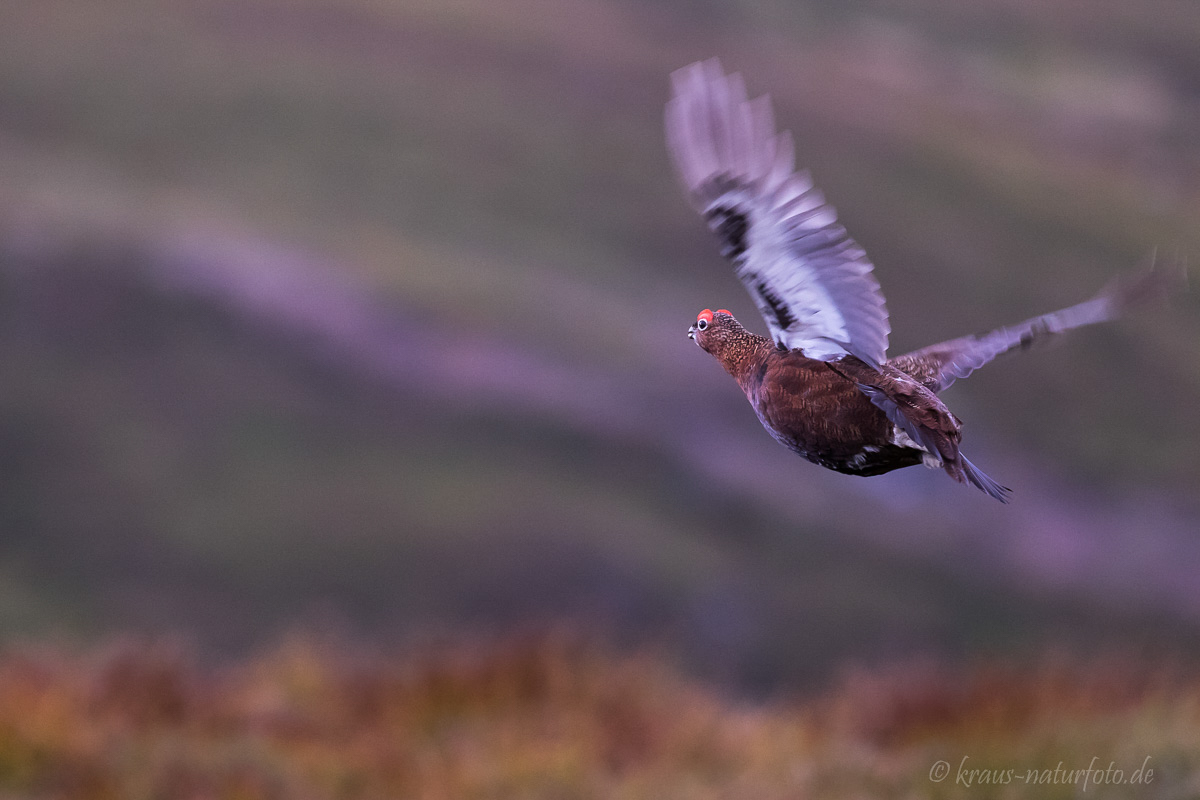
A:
(811, 282)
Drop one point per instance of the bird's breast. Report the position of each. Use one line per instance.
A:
(821, 415)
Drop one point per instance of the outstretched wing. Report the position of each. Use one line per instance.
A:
(939, 365)
(811, 282)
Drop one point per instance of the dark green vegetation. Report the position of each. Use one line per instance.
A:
(377, 312)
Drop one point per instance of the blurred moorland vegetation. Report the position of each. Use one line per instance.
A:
(547, 717)
(375, 311)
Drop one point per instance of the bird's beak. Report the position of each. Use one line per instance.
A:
(692, 332)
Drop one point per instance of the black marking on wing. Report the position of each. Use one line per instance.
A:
(770, 220)
(731, 225)
(783, 314)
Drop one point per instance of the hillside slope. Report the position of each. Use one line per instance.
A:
(377, 312)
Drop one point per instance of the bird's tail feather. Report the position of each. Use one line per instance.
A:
(977, 478)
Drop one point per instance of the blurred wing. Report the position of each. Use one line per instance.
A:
(939, 365)
(811, 282)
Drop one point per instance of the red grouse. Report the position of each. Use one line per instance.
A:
(822, 385)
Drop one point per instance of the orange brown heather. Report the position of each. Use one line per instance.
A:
(548, 717)
(822, 385)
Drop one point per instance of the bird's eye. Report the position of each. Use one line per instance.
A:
(701, 324)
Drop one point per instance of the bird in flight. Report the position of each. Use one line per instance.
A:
(822, 384)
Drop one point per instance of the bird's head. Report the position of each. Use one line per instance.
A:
(715, 331)
(723, 337)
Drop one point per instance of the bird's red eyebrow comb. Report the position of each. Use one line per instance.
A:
(706, 315)
(725, 311)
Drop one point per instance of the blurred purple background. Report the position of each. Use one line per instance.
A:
(373, 315)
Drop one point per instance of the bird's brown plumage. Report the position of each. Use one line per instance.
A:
(819, 409)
